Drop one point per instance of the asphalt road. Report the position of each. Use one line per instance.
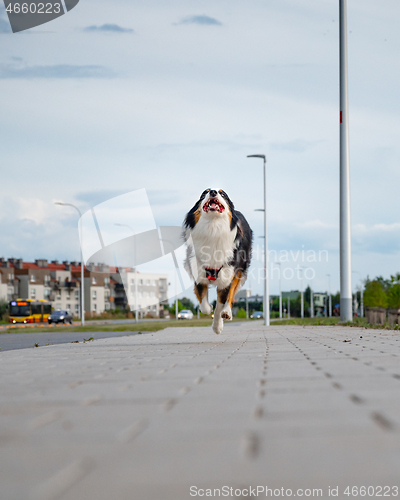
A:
(25, 340)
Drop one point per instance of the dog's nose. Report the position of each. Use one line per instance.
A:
(213, 193)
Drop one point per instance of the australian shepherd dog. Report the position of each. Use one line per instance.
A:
(218, 240)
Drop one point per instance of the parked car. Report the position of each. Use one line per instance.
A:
(257, 315)
(60, 316)
(185, 314)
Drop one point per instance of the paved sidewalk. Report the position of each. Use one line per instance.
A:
(147, 416)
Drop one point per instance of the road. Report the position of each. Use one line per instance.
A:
(165, 415)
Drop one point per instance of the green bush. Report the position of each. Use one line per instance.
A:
(393, 297)
(241, 313)
(374, 295)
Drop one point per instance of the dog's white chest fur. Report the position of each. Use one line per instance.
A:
(213, 244)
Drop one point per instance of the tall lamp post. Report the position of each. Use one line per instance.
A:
(362, 295)
(82, 267)
(134, 251)
(330, 295)
(311, 299)
(266, 284)
(346, 312)
(280, 288)
(302, 293)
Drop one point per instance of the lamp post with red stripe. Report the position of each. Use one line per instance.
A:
(266, 287)
(346, 311)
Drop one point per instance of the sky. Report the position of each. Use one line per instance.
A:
(171, 96)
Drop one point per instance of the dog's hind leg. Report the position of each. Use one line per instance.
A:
(201, 292)
(230, 295)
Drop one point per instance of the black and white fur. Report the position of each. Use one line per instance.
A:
(219, 243)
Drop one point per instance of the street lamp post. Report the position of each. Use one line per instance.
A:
(330, 295)
(266, 284)
(280, 288)
(302, 294)
(362, 295)
(346, 313)
(82, 267)
(135, 263)
(311, 300)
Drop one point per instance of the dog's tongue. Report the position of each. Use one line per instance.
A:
(213, 206)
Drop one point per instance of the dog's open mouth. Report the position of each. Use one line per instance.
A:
(213, 205)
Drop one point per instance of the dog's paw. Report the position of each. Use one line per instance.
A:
(205, 308)
(218, 326)
(226, 313)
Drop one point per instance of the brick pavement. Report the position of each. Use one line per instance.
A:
(148, 416)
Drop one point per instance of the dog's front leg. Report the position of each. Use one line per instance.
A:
(201, 292)
(218, 323)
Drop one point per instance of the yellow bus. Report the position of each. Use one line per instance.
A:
(29, 311)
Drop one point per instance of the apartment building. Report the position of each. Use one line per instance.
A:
(60, 284)
(148, 297)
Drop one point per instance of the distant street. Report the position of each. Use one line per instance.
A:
(28, 338)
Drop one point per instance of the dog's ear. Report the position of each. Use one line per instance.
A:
(193, 215)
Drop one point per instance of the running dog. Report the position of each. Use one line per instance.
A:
(219, 243)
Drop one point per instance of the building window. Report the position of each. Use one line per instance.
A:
(94, 281)
(106, 281)
(46, 279)
(68, 294)
(33, 293)
(58, 294)
(46, 293)
(140, 282)
(76, 294)
(148, 282)
(76, 308)
(132, 281)
(107, 307)
(10, 277)
(154, 283)
(94, 294)
(94, 307)
(33, 278)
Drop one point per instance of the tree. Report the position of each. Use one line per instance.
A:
(394, 296)
(375, 294)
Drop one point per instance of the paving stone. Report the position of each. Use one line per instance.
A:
(149, 416)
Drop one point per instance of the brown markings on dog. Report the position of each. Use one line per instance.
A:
(197, 215)
(223, 295)
(228, 293)
(200, 291)
(234, 286)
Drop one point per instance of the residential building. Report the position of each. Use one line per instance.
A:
(60, 284)
(152, 291)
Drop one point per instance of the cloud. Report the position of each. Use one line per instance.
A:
(4, 24)
(8, 71)
(296, 146)
(108, 28)
(202, 20)
(156, 197)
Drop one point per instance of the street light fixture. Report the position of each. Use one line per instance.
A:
(82, 270)
(266, 284)
(362, 295)
(346, 312)
(135, 263)
(302, 292)
(329, 294)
